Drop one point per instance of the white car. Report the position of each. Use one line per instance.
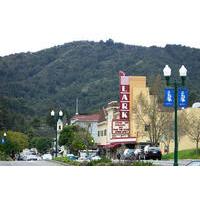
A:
(39, 158)
(96, 158)
(82, 159)
(47, 156)
(31, 157)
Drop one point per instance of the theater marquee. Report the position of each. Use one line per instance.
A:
(124, 97)
(121, 127)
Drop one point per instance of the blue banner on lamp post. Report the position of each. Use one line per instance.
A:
(2, 141)
(169, 97)
(182, 97)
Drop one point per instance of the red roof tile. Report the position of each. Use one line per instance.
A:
(92, 117)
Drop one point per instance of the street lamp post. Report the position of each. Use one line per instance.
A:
(56, 118)
(183, 74)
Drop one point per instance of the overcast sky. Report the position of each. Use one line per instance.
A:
(31, 25)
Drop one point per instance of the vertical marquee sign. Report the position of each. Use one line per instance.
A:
(120, 128)
(124, 97)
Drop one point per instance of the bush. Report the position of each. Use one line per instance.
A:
(103, 162)
(4, 156)
(67, 161)
(42, 144)
(141, 163)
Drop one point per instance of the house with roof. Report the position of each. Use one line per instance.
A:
(89, 122)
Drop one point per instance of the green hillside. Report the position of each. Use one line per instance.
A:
(34, 83)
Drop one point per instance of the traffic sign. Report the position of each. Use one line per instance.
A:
(169, 97)
(2, 141)
(182, 97)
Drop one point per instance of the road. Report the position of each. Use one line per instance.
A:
(53, 163)
(29, 163)
(170, 162)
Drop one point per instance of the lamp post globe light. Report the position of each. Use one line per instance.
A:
(183, 74)
(56, 118)
(167, 73)
(60, 113)
(52, 113)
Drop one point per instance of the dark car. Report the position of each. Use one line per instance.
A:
(153, 153)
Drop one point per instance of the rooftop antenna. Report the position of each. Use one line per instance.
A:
(76, 106)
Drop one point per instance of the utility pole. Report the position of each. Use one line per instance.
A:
(76, 106)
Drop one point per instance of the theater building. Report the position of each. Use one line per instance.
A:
(117, 127)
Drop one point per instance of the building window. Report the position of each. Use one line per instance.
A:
(101, 133)
(105, 132)
(98, 134)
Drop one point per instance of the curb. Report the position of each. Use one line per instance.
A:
(59, 162)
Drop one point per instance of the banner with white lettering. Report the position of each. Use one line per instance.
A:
(120, 128)
(124, 98)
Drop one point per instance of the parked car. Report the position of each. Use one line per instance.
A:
(47, 156)
(95, 158)
(31, 157)
(153, 153)
(72, 157)
(129, 154)
(139, 154)
(19, 157)
(83, 159)
(39, 158)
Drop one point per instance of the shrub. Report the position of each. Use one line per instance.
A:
(104, 161)
(4, 156)
(141, 163)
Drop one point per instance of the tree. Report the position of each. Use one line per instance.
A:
(67, 136)
(192, 127)
(36, 123)
(42, 144)
(82, 140)
(50, 121)
(76, 138)
(150, 117)
(15, 142)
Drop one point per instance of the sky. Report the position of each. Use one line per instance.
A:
(32, 25)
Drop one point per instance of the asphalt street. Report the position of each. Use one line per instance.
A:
(169, 162)
(29, 163)
(54, 163)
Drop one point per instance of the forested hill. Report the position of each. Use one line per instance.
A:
(33, 83)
